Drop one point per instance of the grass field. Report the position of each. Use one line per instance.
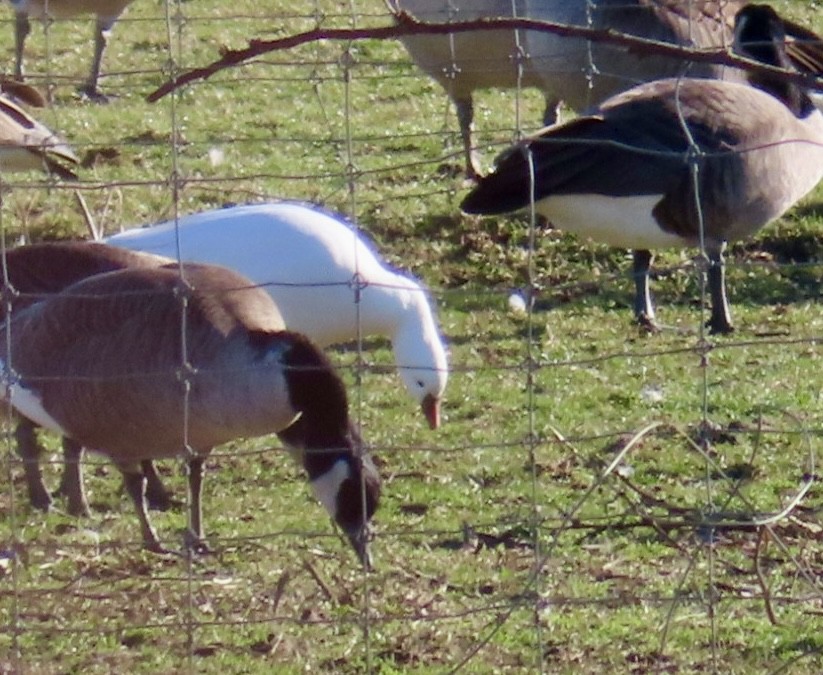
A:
(599, 499)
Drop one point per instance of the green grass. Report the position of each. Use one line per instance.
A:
(499, 533)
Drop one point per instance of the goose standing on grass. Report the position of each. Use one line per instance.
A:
(462, 63)
(26, 145)
(107, 12)
(621, 174)
(325, 280)
(573, 70)
(179, 367)
(34, 273)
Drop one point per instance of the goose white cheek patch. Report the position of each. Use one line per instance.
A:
(327, 486)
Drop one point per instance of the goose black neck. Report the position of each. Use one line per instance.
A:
(760, 35)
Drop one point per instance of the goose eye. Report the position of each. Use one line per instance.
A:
(420, 383)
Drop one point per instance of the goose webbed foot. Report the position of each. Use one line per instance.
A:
(93, 94)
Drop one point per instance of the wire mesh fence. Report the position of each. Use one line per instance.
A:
(596, 498)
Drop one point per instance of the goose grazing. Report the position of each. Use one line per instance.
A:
(325, 280)
(26, 145)
(621, 174)
(107, 12)
(33, 273)
(181, 365)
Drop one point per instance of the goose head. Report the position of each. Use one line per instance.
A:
(425, 382)
(760, 34)
(422, 363)
(343, 478)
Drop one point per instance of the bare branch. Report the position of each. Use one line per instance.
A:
(409, 25)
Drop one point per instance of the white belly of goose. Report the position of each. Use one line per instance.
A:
(30, 405)
(618, 221)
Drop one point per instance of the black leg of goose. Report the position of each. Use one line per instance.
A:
(195, 539)
(22, 28)
(157, 496)
(101, 37)
(135, 483)
(721, 318)
(29, 450)
(71, 484)
(551, 112)
(643, 307)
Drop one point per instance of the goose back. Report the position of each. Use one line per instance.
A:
(36, 271)
(61, 9)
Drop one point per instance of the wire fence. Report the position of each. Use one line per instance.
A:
(597, 497)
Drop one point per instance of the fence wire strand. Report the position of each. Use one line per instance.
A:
(749, 540)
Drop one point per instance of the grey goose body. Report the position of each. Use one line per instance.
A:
(106, 11)
(116, 342)
(621, 174)
(34, 273)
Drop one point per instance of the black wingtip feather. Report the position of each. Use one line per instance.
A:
(503, 190)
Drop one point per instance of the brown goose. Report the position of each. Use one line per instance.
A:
(181, 367)
(33, 273)
(620, 175)
(107, 12)
(26, 145)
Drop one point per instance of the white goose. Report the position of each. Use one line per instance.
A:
(315, 266)
(115, 341)
(619, 175)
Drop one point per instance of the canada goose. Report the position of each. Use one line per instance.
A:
(620, 175)
(107, 12)
(327, 282)
(181, 366)
(574, 70)
(25, 144)
(33, 273)
(457, 65)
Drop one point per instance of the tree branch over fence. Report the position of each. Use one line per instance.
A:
(406, 24)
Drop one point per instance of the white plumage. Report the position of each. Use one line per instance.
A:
(326, 281)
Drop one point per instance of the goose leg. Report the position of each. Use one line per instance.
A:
(22, 28)
(71, 484)
(135, 483)
(101, 38)
(195, 475)
(643, 308)
(29, 450)
(157, 496)
(721, 318)
(465, 117)
(551, 112)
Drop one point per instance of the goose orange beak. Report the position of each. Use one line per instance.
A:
(431, 410)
